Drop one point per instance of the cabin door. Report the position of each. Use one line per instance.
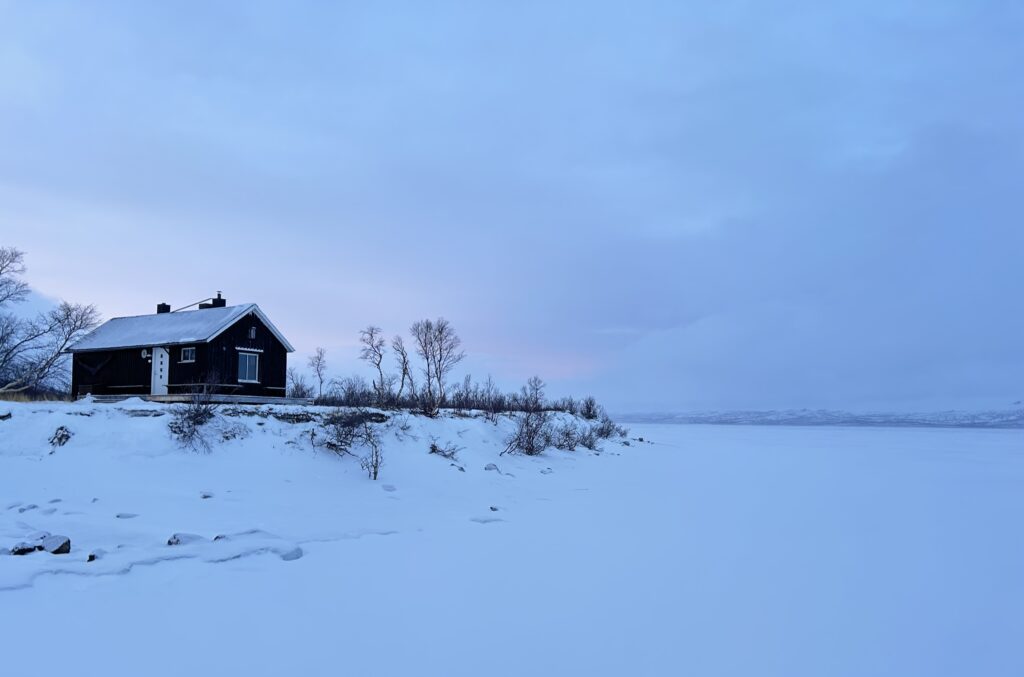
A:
(161, 370)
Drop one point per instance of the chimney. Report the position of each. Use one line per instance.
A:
(162, 308)
(218, 302)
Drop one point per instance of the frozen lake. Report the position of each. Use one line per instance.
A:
(712, 551)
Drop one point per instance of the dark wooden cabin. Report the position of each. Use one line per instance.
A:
(234, 350)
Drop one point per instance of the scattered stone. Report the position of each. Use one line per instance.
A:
(184, 539)
(126, 515)
(5, 416)
(291, 555)
(95, 500)
(494, 509)
(205, 495)
(220, 537)
(57, 545)
(95, 555)
(639, 439)
(25, 548)
(143, 413)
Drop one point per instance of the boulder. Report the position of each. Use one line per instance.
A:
(25, 548)
(292, 555)
(184, 539)
(56, 545)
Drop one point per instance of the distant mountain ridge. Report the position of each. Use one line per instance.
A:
(1007, 418)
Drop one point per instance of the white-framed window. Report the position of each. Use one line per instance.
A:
(188, 354)
(252, 332)
(248, 368)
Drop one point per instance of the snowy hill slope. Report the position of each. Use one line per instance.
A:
(121, 486)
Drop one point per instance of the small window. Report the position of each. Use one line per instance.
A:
(252, 332)
(188, 354)
(248, 368)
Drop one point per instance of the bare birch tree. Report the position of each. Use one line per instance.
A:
(318, 363)
(32, 350)
(373, 350)
(404, 369)
(438, 346)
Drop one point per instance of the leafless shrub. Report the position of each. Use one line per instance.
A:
(351, 391)
(532, 432)
(565, 436)
(568, 405)
(345, 428)
(297, 385)
(590, 409)
(587, 439)
(188, 421)
(372, 461)
(448, 451)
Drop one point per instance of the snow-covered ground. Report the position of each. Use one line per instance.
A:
(712, 551)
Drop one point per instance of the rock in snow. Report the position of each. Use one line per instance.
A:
(24, 548)
(184, 539)
(293, 554)
(57, 545)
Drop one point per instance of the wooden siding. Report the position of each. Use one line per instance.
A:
(113, 372)
(126, 372)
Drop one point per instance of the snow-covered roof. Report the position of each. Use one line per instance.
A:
(160, 329)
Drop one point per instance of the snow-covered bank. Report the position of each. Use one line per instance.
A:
(712, 551)
(120, 486)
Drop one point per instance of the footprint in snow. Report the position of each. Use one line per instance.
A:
(125, 515)
(485, 520)
(54, 500)
(388, 487)
(14, 505)
(48, 511)
(26, 508)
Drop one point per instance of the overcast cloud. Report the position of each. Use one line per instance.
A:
(671, 205)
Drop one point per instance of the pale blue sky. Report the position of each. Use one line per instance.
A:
(672, 205)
